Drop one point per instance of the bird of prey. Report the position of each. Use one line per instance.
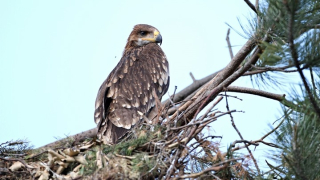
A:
(128, 93)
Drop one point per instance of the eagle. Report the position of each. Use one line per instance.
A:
(130, 91)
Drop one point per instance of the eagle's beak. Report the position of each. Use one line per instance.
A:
(157, 37)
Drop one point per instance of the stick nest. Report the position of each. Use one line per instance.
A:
(169, 149)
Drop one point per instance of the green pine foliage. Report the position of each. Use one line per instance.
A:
(293, 30)
(280, 21)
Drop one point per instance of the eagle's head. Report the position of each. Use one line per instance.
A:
(143, 34)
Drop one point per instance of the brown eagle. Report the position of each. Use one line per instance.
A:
(128, 92)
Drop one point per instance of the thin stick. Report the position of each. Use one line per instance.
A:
(273, 130)
(236, 97)
(312, 79)
(171, 100)
(172, 166)
(202, 121)
(235, 127)
(229, 44)
(192, 77)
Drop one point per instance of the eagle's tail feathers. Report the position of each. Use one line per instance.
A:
(111, 133)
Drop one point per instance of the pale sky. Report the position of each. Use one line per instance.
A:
(54, 55)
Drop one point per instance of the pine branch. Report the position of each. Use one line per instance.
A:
(294, 55)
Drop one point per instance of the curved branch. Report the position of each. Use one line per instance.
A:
(278, 97)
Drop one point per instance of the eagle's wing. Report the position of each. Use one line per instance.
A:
(128, 90)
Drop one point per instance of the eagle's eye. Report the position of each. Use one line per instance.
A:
(143, 33)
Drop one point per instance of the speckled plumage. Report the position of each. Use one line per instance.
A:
(129, 88)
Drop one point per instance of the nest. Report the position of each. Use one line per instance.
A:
(170, 148)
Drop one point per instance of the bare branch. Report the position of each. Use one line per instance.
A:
(192, 77)
(273, 130)
(259, 140)
(312, 78)
(172, 165)
(267, 69)
(251, 5)
(213, 105)
(278, 97)
(203, 121)
(245, 142)
(229, 44)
